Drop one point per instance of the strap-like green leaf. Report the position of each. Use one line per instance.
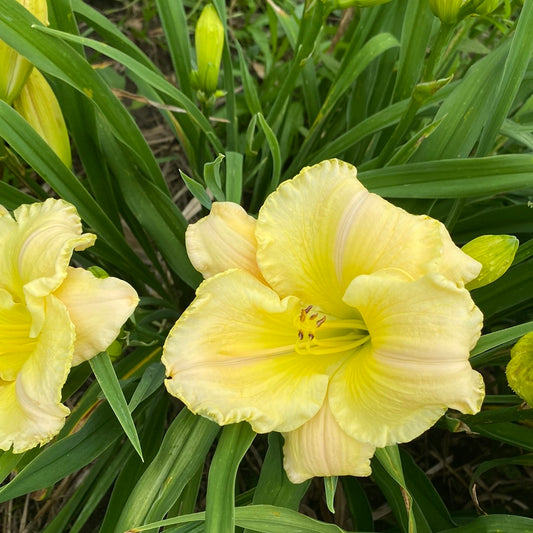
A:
(105, 374)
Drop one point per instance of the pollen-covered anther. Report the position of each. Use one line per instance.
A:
(307, 324)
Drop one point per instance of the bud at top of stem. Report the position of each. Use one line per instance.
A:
(209, 41)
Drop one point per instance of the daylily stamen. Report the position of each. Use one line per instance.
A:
(355, 333)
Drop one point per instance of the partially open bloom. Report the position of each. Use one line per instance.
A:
(342, 321)
(39, 106)
(14, 68)
(24, 87)
(52, 316)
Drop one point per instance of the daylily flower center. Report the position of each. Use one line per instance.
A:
(335, 335)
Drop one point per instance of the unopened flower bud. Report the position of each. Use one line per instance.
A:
(520, 368)
(344, 4)
(495, 253)
(39, 106)
(209, 41)
(485, 7)
(449, 11)
(14, 68)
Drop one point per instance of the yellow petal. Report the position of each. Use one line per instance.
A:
(37, 247)
(38, 104)
(31, 412)
(40, 243)
(222, 240)
(231, 357)
(320, 230)
(97, 307)
(416, 363)
(16, 345)
(321, 448)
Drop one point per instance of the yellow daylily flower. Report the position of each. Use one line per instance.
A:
(52, 317)
(355, 335)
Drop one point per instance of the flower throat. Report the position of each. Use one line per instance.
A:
(321, 335)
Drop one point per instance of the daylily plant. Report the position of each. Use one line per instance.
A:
(52, 317)
(335, 318)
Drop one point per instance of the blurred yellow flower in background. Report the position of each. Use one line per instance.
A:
(336, 318)
(26, 89)
(52, 316)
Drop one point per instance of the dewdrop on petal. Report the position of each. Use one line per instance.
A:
(520, 368)
(14, 68)
(39, 106)
(495, 253)
(209, 42)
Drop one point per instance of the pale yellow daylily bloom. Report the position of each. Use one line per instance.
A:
(52, 316)
(355, 335)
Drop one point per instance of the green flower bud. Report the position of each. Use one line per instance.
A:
(449, 11)
(209, 41)
(495, 253)
(520, 368)
(98, 272)
(14, 68)
(344, 4)
(485, 7)
(39, 106)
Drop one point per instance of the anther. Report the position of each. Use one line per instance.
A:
(320, 321)
(300, 335)
(313, 316)
(308, 308)
(311, 336)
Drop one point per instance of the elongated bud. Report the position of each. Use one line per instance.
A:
(520, 368)
(209, 41)
(449, 11)
(39, 106)
(495, 253)
(14, 68)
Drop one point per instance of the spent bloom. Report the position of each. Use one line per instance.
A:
(52, 317)
(335, 318)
